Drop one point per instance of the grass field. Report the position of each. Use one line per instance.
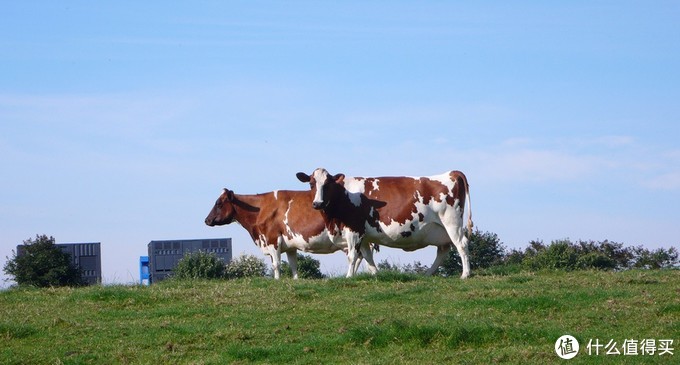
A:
(391, 319)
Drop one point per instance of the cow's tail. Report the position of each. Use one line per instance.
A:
(469, 204)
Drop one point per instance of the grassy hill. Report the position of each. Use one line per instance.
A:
(392, 319)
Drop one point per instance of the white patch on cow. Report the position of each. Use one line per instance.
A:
(276, 194)
(320, 175)
(375, 185)
(285, 218)
(355, 187)
(354, 198)
(261, 241)
(445, 179)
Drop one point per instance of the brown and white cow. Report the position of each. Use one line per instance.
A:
(400, 212)
(284, 221)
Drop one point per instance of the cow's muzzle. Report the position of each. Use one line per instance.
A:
(319, 205)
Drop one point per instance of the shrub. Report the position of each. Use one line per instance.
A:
(488, 256)
(558, 255)
(385, 265)
(414, 268)
(657, 259)
(245, 266)
(43, 264)
(514, 257)
(200, 265)
(307, 267)
(485, 249)
(617, 256)
(595, 260)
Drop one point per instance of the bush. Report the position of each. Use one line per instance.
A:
(657, 259)
(200, 265)
(485, 249)
(43, 264)
(308, 268)
(603, 255)
(595, 260)
(415, 267)
(558, 255)
(245, 266)
(617, 256)
(489, 257)
(385, 265)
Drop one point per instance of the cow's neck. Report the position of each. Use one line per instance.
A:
(343, 213)
(247, 209)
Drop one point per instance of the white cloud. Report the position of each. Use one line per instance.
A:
(668, 181)
(97, 110)
(536, 165)
(613, 141)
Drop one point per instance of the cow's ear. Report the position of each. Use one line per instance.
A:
(303, 177)
(230, 194)
(339, 178)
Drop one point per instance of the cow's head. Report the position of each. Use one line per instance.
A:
(223, 211)
(324, 186)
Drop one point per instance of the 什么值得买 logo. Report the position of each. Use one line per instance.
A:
(566, 347)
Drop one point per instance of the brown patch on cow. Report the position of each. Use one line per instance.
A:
(459, 189)
(389, 188)
(431, 189)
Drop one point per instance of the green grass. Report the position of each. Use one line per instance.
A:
(392, 319)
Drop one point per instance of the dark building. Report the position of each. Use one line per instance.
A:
(164, 255)
(86, 256)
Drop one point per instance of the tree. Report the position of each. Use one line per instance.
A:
(200, 265)
(385, 265)
(657, 259)
(604, 255)
(307, 267)
(414, 268)
(485, 250)
(560, 255)
(42, 263)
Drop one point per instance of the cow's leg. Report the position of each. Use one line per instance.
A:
(462, 247)
(352, 239)
(275, 254)
(353, 263)
(357, 265)
(442, 252)
(357, 262)
(367, 253)
(453, 223)
(292, 262)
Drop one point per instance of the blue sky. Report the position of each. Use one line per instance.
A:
(121, 122)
